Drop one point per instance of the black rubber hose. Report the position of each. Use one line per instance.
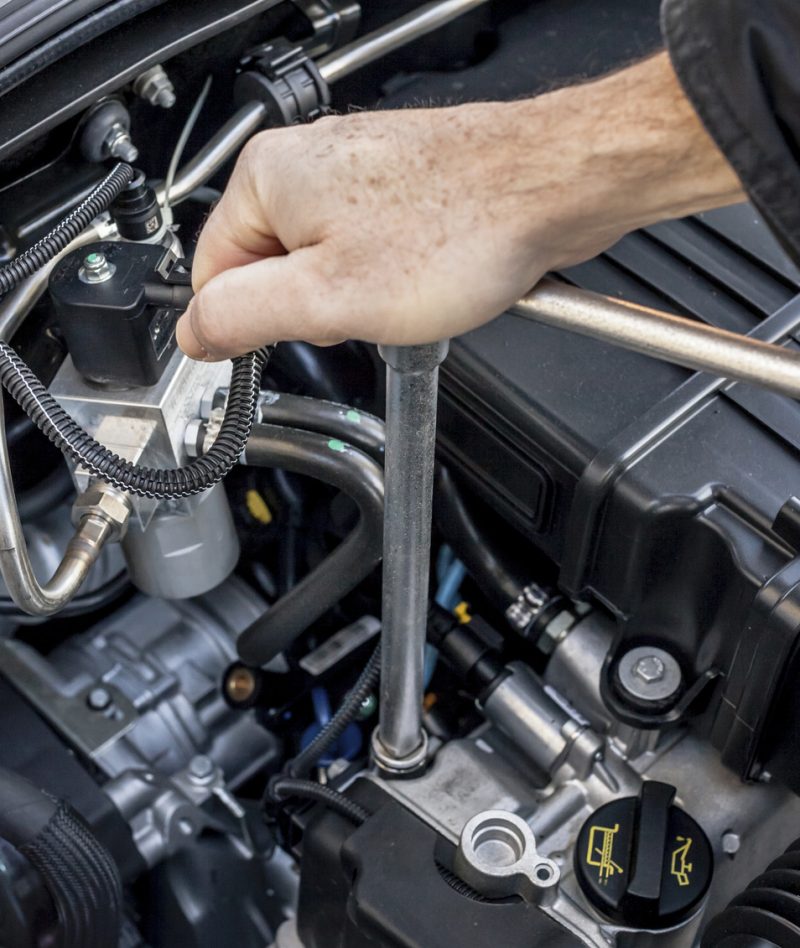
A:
(359, 428)
(352, 472)
(70, 39)
(766, 913)
(25, 25)
(305, 761)
(495, 577)
(51, 419)
(78, 872)
(282, 788)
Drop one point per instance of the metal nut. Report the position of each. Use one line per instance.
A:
(102, 501)
(155, 87)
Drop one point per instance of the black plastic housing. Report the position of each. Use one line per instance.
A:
(653, 488)
(118, 332)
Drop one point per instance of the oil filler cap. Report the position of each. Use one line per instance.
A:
(642, 861)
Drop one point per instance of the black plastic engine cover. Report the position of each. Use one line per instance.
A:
(379, 886)
(654, 488)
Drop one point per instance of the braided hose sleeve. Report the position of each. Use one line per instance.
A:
(282, 788)
(347, 713)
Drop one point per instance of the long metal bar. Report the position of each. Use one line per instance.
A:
(663, 336)
(367, 49)
(412, 373)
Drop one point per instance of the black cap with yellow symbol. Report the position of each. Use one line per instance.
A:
(642, 861)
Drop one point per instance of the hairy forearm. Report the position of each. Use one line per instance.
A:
(403, 227)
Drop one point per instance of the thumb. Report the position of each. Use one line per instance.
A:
(273, 300)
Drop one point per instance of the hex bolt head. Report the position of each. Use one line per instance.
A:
(155, 86)
(731, 843)
(649, 674)
(118, 143)
(98, 699)
(201, 768)
(649, 669)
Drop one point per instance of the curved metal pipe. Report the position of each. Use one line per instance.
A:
(367, 49)
(84, 548)
(657, 334)
(352, 472)
(221, 147)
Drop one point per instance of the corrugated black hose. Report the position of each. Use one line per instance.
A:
(78, 872)
(51, 419)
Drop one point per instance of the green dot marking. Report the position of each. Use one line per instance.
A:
(353, 416)
(336, 445)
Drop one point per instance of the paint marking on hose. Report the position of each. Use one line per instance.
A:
(336, 445)
(353, 416)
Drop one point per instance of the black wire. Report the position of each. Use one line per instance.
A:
(304, 762)
(51, 419)
(282, 788)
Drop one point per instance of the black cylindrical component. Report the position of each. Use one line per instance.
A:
(342, 466)
(136, 211)
(486, 565)
(767, 913)
(79, 874)
(462, 647)
(643, 861)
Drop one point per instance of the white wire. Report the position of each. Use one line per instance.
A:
(186, 131)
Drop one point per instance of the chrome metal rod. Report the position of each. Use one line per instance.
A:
(412, 375)
(222, 146)
(663, 336)
(33, 597)
(367, 49)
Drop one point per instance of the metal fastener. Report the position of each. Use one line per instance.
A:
(98, 699)
(731, 843)
(97, 268)
(155, 87)
(649, 669)
(118, 143)
(201, 769)
(649, 674)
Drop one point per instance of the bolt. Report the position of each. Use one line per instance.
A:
(650, 668)
(97, 268)
(731, 843)
(118, 143)
(201, 768)
(98, 699)
(155, 87)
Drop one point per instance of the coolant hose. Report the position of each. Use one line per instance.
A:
(51, 419)
(350, 471)
(78, 872)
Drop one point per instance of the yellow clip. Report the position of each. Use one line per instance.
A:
(257, 507)
(462, 612)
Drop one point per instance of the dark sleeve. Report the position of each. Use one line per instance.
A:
(739, 63)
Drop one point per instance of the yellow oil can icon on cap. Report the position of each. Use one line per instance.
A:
(681, 868)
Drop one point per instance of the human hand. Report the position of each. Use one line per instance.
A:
(412, 226)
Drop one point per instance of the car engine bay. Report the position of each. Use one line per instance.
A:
(488, 642)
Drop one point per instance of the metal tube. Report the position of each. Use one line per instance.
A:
(663, 336)
(222, 146)
(412, 376)
(367, 49)
(84, 548)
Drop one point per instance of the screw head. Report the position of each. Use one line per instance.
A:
(98, 699)
(649, 674)
(201, 767)
(649, 669)
(731, 843)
